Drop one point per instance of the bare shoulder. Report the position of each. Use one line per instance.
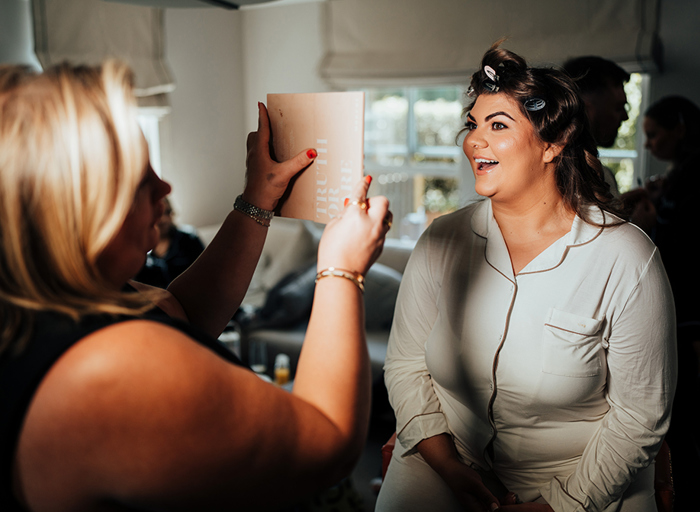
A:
(141, 415)
(125, 410)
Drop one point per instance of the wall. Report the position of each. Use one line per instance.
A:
(226, 61)
(203, 138)
(284, 46)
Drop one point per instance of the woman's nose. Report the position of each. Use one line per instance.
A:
(161, 189)
(474, 141)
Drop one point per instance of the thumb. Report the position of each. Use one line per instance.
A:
(485, 497)
(298, 162)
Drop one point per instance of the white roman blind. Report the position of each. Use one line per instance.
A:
(423, 41)
(90, 31)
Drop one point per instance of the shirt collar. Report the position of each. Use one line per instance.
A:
(484, 224)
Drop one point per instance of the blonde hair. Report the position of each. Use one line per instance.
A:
(71, 158)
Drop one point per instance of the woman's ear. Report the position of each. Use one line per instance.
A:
(551, 151)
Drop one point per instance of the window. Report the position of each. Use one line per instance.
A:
(411, 152)
(149, 121)
(625, 158)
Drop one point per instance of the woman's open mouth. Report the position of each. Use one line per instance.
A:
(484, 165)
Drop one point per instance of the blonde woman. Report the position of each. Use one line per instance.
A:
(111, 403)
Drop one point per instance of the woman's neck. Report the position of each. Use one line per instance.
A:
(529, 228)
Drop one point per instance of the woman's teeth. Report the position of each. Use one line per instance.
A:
(484, 163)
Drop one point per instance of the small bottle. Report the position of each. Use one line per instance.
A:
(281, 369)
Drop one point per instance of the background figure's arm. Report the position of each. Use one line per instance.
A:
(641, 382)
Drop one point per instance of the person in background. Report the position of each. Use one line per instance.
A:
(667, 209)
(601, 84)
(117, 396)
(533, 344)
(177, 249)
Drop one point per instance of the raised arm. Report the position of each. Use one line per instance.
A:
(211, 290)
(164, 423)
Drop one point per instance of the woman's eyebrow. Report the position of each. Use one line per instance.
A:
(499, 113)
(469, 116)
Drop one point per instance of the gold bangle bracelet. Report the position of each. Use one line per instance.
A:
(355, 277)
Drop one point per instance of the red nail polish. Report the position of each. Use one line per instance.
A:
(347, 200)
(368, 179)
(311, 153)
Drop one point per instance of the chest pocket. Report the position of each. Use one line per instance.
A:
(571, 345)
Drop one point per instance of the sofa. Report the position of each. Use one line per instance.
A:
(276, 308)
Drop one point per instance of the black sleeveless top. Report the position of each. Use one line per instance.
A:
(21, 375)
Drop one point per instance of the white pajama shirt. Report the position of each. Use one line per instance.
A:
(559, 379)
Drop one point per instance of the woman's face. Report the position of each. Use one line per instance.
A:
(507, 158)
(126, 253)
(662, 142)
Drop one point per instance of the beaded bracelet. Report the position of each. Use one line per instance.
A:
(259, 215)
(355, 277)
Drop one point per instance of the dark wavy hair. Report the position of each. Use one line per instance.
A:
(562, 122)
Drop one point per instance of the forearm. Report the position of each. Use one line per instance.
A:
(212, 288)
(440, 453)
(333, 372)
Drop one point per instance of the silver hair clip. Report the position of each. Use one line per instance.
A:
(492, 83)
(471, 92)
(534, 104)
(491, 73)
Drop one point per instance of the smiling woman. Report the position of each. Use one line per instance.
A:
(532, 326)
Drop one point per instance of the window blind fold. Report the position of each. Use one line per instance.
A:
(419, 41)
(90, 31)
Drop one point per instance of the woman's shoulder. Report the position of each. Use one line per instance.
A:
(128, 384)
(455, 223)
(621, 239)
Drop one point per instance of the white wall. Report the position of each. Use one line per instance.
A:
(283, 47)
(203, 138)
(225, 61)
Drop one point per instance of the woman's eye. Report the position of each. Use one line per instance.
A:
(470, 125)
(498, 126)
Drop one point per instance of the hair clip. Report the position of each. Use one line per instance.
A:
(491, 73)
(471, 92)
(534, 104)
(492, 83)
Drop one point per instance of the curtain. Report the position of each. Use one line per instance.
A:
(379, 42)
(90, 31)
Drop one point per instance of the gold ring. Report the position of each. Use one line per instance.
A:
(362, 204)
(388, 224)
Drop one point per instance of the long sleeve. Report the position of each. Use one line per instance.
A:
(410, 386)
(641, 361)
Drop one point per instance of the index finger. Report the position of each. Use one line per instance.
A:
(359, 193)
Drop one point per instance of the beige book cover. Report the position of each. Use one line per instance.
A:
(333, 123)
